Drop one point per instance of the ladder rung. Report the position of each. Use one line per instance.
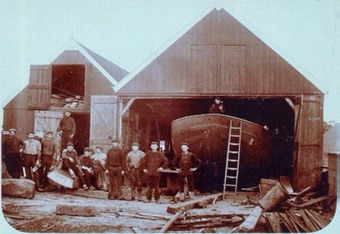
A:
(231, 177)
(232, 168)
(230, 185)
(233, 152)
(235, 135)
(233, 127)
(233, 160)
(234, 143)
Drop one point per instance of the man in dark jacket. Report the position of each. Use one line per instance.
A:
(66, 129)
(115, 164)
(153, 163)
(187, 163)
(12, 149)
(48, 155)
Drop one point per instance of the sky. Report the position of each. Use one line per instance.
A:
(304, 32)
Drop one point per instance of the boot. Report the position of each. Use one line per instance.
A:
(191, 195)
(139, 195)
(181, 197)
(132, 194)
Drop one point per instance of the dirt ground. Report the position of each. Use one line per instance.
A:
(39, 214)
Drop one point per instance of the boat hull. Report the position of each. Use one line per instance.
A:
(207, 137)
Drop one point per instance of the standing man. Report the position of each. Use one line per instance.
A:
(187, 163)
(48, 155)
(115, 164)
(12, 149)
(66, 129)
(31, 155)
(133, 161)
(152, 163)
(99, 161)
(71, 163)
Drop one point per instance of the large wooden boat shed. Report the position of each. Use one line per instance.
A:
(218, 56)
(213, 56)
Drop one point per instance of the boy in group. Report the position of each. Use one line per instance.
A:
(133, 160)
(152, 164)
(87, 167)
(99, 161)
(71, 163)
(48, 155)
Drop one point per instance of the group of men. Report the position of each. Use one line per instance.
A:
(95, 170)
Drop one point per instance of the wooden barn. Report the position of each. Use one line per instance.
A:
(218, 56)
(213, 56)
(67, 83)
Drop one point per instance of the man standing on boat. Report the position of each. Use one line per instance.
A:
(217, 107)
(187, 163)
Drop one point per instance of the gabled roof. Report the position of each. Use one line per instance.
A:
(216, 5)
(111, 71)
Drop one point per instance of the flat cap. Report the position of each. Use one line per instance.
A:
(154, 143)
(115, 140)
(135, 144)
(12, 130)
(88, 149)
(70, 144)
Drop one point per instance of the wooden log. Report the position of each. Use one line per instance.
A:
(166, 227)
(250, 223)
(20, 188)
(88, 193)
(173, 209)
(75, 210)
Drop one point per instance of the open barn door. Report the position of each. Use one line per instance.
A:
(103, 120)
(308, 141)
(39, 89)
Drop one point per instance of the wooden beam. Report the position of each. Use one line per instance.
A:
(75, 210)
(250, 223)
(166, 227)
(285, 181)
(89, 193)
(130, 102)
(172, 209)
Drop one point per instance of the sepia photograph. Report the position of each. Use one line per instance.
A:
(178, 116)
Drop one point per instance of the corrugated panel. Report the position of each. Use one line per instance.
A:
(103, 120)
(39, 89)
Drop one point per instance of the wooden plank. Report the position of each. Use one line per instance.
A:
(89, 193)
(166, 227)
(291, 226)
(273, 220)
(319, 218)
(295, 219)
(285, 181)
(315, 220)
(172, 209)
(75, 210)
(250, 223)
(308, 222)
(308, 203)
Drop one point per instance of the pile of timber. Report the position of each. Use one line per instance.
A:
(60, 100)
(285, 210)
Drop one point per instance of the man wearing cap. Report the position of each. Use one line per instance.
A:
(48, 155)
(187, 163)
(71, 163)
(31, 156)
(217, 107)
(87, 167)
(152, 164)
(133, 160)
(115, 164)
(99, 161)
(12, 148)
(66, 129)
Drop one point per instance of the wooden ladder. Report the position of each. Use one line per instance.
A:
(233, 156)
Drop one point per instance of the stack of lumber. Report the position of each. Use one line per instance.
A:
(64, 101)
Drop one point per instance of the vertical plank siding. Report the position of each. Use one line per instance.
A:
(39, 92)
(193, 58)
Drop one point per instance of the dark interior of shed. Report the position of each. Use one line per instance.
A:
(68, 80)
(275, 113)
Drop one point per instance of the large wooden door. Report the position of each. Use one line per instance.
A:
(45, 121)
(39, 88)
(103, 120)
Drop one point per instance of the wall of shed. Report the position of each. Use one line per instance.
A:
(260, 70)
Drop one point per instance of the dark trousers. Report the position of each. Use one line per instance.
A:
(65, 138)
(135, 177)
(13, 164)
(45, 166)
(115, 183)
(89, 178)
(153, 183)
(183, 179)
(67, 164)
(29, 162)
